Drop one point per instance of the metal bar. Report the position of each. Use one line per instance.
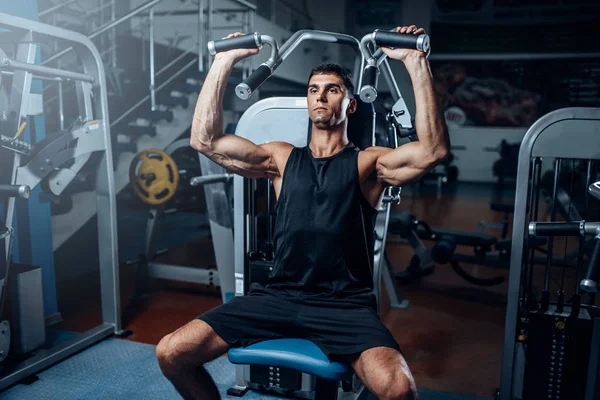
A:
(209, 25)
(547, 278)
(107, 27)
(95, 11)
(152, 78)
(143, 100)
(230, 27)
(388, 75)
(245, 4)
(124, 18)
(56, 7)
(175, 60)
(61, 107)
(535, 201)
(45, 71)
(193, 12)
(35, 77)
(113, 16)
(201, 36)
(321, 36)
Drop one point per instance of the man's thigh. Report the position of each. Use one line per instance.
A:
(344, 333)
(257, 316)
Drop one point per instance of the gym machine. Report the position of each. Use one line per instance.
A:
(53, 163)
(488, 251)
(155, 178)
(266, 121)
(552, 339)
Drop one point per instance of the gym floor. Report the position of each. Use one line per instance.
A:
(452, 332)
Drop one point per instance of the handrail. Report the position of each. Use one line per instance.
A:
(158, 88)
(246, 4)
(107, 27)
(56, 7)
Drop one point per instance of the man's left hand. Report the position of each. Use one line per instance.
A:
(403, 54)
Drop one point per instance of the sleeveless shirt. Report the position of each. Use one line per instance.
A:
(324, 230)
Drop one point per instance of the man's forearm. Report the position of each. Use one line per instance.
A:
(207, 123)
(429, 120)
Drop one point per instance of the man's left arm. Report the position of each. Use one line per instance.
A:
(411, 161)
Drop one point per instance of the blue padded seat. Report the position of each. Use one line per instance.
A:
(300, 354)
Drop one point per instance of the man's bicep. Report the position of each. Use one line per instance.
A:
(402, 165)
(243, 157)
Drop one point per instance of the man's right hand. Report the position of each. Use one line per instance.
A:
(236, 55)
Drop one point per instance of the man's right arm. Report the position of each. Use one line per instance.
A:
(234, 153)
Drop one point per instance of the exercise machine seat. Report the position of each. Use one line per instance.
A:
(299, 354)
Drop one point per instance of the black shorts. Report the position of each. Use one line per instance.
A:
(341, 330)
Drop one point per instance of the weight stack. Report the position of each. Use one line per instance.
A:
(562, 354)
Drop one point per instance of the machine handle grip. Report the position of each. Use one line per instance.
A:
(251, 41)
(206, 179)
(244, 90)
(14, 191)
(555, 228)
(590, 281)
(402, 40)
(368, 90)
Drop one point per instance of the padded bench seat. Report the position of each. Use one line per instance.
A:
(300, 354)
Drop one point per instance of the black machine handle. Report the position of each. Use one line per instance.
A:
(592, 276)
(368, 90)
(402, 40)
(555, 228)
(14, 191)
(244, 90)
(251, 41)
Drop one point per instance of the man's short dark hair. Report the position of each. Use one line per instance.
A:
(342, 72)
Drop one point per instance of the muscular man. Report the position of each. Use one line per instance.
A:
(328, 192)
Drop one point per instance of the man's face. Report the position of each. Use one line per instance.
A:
(328, 102)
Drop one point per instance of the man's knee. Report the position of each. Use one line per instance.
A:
(398, 387)
(167, 355)
(189, 347)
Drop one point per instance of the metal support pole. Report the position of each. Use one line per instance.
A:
(152, 78)
(209, 25)
(201, 36)
(61, 107)
(113, 16)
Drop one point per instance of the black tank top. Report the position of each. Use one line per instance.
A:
(324, 229)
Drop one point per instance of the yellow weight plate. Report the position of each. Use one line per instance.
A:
(154, 176)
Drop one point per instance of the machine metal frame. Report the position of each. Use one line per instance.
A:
(94, 136)
(572, 133)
